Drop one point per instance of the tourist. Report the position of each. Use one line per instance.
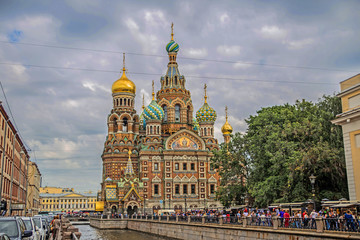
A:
(286, 218)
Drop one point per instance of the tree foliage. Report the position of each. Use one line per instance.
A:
(283, 146)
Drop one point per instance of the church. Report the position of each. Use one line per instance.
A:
(160, 159)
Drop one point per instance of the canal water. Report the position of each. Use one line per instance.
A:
(90, 233)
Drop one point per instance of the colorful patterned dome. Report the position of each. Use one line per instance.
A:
(172, 46)
(142, 120)
(195, 125)
(206, 114)
(153, 111)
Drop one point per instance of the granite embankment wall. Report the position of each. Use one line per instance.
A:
(196, 231)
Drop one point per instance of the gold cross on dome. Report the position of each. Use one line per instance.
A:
(172, 31)
(205, 86)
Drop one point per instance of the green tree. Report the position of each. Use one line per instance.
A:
(232, 161)
(283, 146)
(287, 144)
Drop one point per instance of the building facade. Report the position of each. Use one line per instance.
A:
(33, 190)
(349, 119)
(160, 159)
(67, 202)
(13, 166)
(56, 190)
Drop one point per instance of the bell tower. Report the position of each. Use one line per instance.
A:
(173, 97)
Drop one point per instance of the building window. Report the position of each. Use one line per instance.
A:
(156, 166)
(185, 189)
(176, 166)
(177, 189)
(192, 188)
(156, 189)
(212, 189)
(184, 166)
(193, 166)
(177, 113)
(125, 125)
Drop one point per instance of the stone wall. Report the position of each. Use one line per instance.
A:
(108, 223)
(196, 231)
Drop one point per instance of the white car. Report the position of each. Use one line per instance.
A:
(30, 225)
(40, 227)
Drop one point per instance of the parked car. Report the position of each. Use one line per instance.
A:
(47, 226)
(3, 236)
(14, 227)
(40, 227)
(30, 225)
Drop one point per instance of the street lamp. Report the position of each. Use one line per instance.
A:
(312, 181)
(185, 203)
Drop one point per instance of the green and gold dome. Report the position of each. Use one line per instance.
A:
(153, 111)
(206, 113)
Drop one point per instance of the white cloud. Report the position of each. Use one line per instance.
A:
(273, 32)
(241, 65)
(148, 41)
(224, 18)
(228, 51)
(94, 86)
(155, 18)
(299, 44)
(195, 52)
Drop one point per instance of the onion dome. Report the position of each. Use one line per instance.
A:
(196, 125)
(123, 84)
(206, 113)
(226, 128)
(153, 111)
(141, 119)
(172, 46)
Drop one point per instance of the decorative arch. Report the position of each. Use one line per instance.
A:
(164, 102)
(113, 116)
(177, 141)
(178, 101)
(128, 116)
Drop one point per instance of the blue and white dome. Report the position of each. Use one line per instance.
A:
(153, 111)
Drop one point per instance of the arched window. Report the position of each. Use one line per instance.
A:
(120, 101)
(175, 80)
(212, 132)
(204, 131)
(167, 81)
(125, 124)
(151, 130)
(165, 113)
(177, 113)
(158, 130)
(115, 125)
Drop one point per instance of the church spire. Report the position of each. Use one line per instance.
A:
(143, 102)
(172, 31)
(129, 167)
(153, 93)
(226, 128)
(205, 97)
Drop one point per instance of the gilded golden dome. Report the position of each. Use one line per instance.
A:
(123, 84)
(226, 128)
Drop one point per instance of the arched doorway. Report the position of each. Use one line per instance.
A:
(132, 208)
(113, 209)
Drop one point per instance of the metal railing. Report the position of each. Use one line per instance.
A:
(341, 224)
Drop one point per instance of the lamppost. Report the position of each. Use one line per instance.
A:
(185, 203)
(312, 181)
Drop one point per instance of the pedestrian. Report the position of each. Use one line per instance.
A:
(286, 218)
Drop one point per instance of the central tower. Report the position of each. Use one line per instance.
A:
(173, 97)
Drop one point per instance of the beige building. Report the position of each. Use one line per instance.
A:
(56, 190)
(33, 191)
(349, 119)
(67, 202)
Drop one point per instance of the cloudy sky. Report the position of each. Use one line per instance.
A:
(58, 60)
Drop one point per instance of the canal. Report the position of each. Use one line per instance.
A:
(90, 233)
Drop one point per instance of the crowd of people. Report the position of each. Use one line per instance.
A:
(335, 220)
